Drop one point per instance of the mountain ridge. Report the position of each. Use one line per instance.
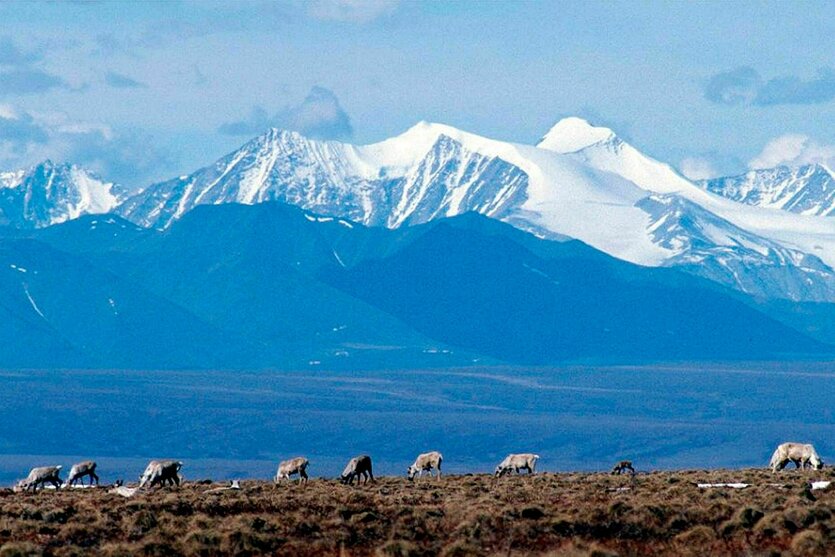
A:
(807, 189)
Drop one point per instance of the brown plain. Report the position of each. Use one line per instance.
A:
(662, 513)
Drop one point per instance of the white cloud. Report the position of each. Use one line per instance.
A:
(745, 86)
(318, 116)
(126, 156)
(9, 112)
(793, 150)
(355, 11)
(697, 169)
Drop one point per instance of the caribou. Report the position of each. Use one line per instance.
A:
(799, 453)
(516, 462)
(358, 467)
(426, 462)
(81, 469)
(40, 476)
(158, 472)
(622, 466)
(287, 468)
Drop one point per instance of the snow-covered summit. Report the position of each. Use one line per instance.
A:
(807, 189)
(49, 193)
(573, 134)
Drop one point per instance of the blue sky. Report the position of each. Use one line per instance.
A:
(144, 91)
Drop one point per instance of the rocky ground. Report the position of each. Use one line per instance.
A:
(551, 514)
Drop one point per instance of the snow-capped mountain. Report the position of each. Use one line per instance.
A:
(410, 179)
(761, 254)
(580, 181)
(807, 189)
(52, 193)
(712, 247)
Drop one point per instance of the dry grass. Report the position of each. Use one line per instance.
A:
(547, 514)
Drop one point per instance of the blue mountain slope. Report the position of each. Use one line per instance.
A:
(93, 234)
(249, 271)
(491, 295)
(64, 311)
(270, 285)
(471, 273)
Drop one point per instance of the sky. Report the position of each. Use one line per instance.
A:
(143, 91)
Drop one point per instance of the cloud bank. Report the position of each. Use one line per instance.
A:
(127, 156)
(696, 168)
(318, 116)
(745, 86)
(121, 81)
(352, 11)
(19, 74)
(11, 55)
(794, 150)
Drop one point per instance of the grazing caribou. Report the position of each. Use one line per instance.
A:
(426, 462)
(287, 468)
(622, 466)
(799, 453)
(40, 476)
(158, 472)
(81, 469)
(358, 467)
(516, 462)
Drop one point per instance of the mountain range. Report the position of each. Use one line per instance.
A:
(580, 181)
(297, 252)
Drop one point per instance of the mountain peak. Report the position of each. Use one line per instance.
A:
(46, 165)
(818, 167)
(48, 193)
(406, 149)
(573, 134)
(282, 134)
(805, 189)
(428, 132)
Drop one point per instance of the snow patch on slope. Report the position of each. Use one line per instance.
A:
(32, 301)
